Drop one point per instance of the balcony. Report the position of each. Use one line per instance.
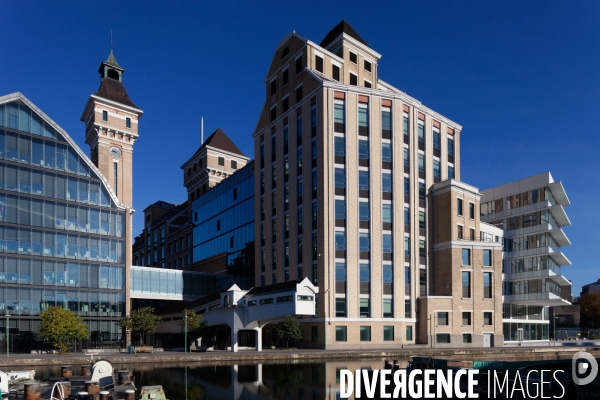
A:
(554, 252)
(553, 273)
(537, 299)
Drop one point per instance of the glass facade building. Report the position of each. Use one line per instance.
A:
(62, 234)
(223, 222)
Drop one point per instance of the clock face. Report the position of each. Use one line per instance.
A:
(115, 152)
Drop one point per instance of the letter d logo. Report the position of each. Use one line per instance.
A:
(581, 368)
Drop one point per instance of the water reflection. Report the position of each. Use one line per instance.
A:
(290, 381)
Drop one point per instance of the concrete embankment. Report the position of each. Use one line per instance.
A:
(304, 356)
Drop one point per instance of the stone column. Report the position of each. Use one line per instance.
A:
(258, 338)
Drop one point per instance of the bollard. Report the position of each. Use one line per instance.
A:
(86, 370)
(66, 371)
(32, 391)
(387, 365)
(129, 394)
(123, 377)
(92, 387)
(104, 395)
(66, 390)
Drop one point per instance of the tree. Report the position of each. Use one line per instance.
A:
(141, 321)
(589, 307)
(194, 321)
(288, 329)
(60, 326)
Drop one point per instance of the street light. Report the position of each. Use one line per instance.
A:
(554, 320)
(7, 334)
(185, 347)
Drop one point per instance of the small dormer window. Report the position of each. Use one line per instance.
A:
(353, 58)
(128, 123)
(221, 161)
(367, 66)
(104, 116)
(319, 63)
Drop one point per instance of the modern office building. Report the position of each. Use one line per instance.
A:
(531, 214)
(345, 165)
(166, 241)
(65, 219)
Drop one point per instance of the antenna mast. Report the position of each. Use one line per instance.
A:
(201, 131)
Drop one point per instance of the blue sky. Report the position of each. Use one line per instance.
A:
(523, 78)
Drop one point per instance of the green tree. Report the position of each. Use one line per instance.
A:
(288, 329)
(60, 326)
(589, 307)
(194, 321)
(141, 321)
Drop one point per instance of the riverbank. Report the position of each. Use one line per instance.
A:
(302, 355)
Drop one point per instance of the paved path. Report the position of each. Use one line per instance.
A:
(505, 353)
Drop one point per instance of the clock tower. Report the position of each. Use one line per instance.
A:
(111, 129)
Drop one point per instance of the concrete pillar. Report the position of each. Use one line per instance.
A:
(258, 338)
(234, 340)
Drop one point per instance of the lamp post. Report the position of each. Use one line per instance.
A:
(7, 334)
(554, 321)
(185, 347)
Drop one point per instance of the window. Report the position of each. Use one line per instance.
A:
(406, 157)
(421, 132)
(405, 125)
(353, 79)
(436, 169)
(363, 117)
(363, 180)
(365, 308)
(298, 94)
(340, 240)
(285, 104)
(115, 177)
(353, 58)
(386, 182)
(466, 318)
(442, 318)
(471, 210)
(487, 318)
(363, 210)
(487, 258)
(363, 150)
(338, 116)
(487, 285)
(340, 178)
(467, 338)
(104, 116)
(367, 65)
(298, 65)
(335, 71)
(460, 231)
(406, 245)
(386, 152)
(451, 146)
(364, 273)
(421, 163)
(387, 213)
(466, 285)
(388, 333)
(340, 307)
(365, 333)
(339, 146)
(406, 186)
(273, 114)
(388, 309)
(367, 84)
(340, 334)
(340, 209)
(459, 206)
(314, 333)
(409, 333)
(442, 338)
(284, 77)
(466, 256)
(128, 123)
(273, 87)
(221, 161)
(319, 63)
(363, 241)
(233, 164)
(436, 139)
(388, 244)
(450, 172)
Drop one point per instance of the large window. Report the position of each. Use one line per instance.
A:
(363, 151)
(340, 209)
(487, 318)
(487, 285)
(365, 308)
(406, 157)
(386, 152)
(363, 211)
(421, 162)
(436, 139)
(365, 273)
(466, 256)
(365, 333)
(388, 244)
(340, 241)
(436, 169)
(340, 307)
(442, 318)
(388, 333)
(341, 334)
(466, 284)
(487, 258)
(387, 213)
(421, 132)
(386, 120)
(340, 178)
(451, 146)
(339, 146)
(466, 318)
(363, 180)
(363, 242)
(386, 182)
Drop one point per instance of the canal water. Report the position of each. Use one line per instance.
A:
(222, 381)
